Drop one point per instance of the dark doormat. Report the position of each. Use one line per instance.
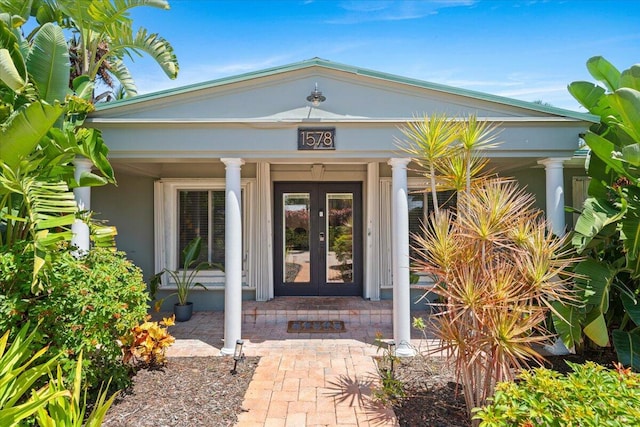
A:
(315, 326)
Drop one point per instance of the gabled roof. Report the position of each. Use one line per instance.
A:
(318, 62)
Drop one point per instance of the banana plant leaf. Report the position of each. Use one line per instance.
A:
(630, 235)
(605, 149)
(48, 63)
(88, 179)
(21, 8)
(9, 73)
(122, 73)
(26, 130)
(13, 67)
(594, 278)
(596, 328)
(627, 345)
(603, 71)
(596, 215)
(590, 96)
(632, 307)
(631, 77)
(626, 103)
(567, 321)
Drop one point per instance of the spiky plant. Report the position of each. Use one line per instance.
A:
(497, 271)
(429, 141)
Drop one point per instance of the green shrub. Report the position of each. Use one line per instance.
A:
(70, 409)
(589, 396)
(18, 374)
(87, 305)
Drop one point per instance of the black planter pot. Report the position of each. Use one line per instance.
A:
(183, 312)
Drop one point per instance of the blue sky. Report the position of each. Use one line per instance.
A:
(528, 50)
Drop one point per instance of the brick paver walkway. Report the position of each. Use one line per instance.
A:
(302, 380)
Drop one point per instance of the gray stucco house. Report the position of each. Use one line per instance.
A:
(299, 192)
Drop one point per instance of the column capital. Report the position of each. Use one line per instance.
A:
(82, 164)
(553, 162)
(232, 161)
(401, 162)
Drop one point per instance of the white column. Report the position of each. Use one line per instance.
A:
(262, 239)
(553, 168)
(400, 243)
(80, 230)
(372, 256)
(232, 256)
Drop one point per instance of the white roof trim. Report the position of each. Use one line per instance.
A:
(338, 119)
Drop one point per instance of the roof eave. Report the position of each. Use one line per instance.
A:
(354, 70)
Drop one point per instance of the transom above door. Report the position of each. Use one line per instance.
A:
(318, 239)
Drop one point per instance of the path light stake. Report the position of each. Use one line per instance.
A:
(238, 356)
(392, 354)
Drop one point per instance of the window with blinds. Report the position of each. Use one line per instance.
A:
(201, 213)
(419, 211)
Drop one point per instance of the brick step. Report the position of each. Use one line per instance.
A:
(350, 310)
(362, 317)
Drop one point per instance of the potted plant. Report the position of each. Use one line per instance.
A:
(184, 280)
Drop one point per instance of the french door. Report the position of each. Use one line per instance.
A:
(318, 239)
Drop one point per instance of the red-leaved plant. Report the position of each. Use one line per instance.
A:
(496, 267)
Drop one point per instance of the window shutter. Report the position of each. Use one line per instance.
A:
(217, 226)
(193, 220)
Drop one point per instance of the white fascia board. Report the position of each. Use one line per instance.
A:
(297, 157)
(271, 122)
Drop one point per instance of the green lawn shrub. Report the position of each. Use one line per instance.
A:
(591, 395)
(88, 303)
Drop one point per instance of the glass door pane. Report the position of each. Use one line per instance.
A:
(296, 267)
(339, 250)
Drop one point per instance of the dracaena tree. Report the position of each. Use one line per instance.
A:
(497, 269)
(607, 232)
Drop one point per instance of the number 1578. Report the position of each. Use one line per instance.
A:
(318, 139)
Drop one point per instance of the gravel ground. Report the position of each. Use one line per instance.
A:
(189, 391)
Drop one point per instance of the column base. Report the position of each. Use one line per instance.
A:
(405, 350)
(227, 351)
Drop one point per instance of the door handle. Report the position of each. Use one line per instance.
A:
(322, 236)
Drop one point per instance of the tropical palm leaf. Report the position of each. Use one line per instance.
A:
(109, 12)
(155, 46)
(13, 69)
(25, 131)
(121, 72)
(79, 14)
(48, 63)
(21, 8)
(49, 210)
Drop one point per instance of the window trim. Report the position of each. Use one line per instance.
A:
(166, 198)
(417, 184)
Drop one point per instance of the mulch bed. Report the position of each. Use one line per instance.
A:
(189, 391)
(201, 391)
(433, 398)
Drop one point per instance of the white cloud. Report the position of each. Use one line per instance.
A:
(153, 80)
(534, 91)
(481, 83)
(369, 11)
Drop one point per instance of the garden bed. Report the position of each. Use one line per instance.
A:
(202, 391)
(434, 398)
(189, 391)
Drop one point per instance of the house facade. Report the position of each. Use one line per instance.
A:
(293, 178)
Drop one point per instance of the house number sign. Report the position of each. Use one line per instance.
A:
(316, 138)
